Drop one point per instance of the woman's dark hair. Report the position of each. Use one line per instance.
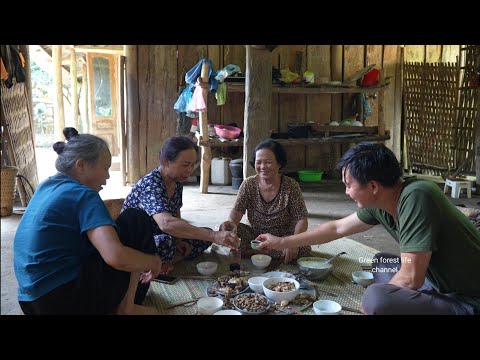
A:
(371, 161)
(277, 149)
(78, 146)
(174, 146)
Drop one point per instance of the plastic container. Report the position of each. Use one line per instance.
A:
(227, 132)
(220, 171)
(310, 175)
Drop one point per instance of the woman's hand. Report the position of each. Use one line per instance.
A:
(226, 238)
(290, 254)
(183, 248)
(269, 242)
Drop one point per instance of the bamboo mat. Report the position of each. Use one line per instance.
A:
(339, 282)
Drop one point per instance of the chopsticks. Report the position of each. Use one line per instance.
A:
(183, 303)
(346, 308)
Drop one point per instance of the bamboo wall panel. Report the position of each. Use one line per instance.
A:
(430, 97)
(373, 56)
(464, 127)
(17, 117)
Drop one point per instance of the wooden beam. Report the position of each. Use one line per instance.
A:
(133, 116)
(59, 113)
(258, 102)
(203, 116)
(74, 85)
(110, 49)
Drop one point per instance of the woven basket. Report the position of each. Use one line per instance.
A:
(8, 187)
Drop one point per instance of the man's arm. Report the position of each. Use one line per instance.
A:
(413, 269)
(323, 233)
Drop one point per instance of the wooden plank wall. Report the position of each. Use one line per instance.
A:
(162, 68)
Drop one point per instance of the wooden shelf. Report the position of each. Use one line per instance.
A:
(334, 140)
(345, 129)
(317, 89)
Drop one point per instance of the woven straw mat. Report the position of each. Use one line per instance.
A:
(339, 282)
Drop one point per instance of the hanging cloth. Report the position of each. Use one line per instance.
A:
(194, 73)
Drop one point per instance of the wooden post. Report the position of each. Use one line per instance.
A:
(381, 109)
(74, 83)
(121, 97)
(336, 64)
(133, 115)
(85, 119)
(203, 120)
(59, 114)
(258, 101)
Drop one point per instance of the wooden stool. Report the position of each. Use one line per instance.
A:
(457, 185)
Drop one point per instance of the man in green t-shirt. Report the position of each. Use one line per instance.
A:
(438, 269)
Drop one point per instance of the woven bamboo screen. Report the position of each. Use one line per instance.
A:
(431, 94)
(464, 127)
(18, 123)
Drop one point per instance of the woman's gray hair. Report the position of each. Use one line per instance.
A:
(86, 147)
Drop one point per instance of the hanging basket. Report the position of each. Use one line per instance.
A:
(8, 187)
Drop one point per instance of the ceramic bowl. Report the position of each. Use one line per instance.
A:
(228, 312)
(209, 305)
(278, 296)
(256, 283)
(363, 278)
(207, 267)
(261, 261)
(326, 307)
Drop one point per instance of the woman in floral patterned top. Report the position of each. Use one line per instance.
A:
(274, 203)
(159, 194)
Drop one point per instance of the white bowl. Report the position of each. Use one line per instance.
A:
(256, 283)
(207, 267)
(363, 278)
(326, 307)
(278, 296)
(261, 261)
(228, 312)
(209, 305)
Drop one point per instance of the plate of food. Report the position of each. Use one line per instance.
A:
(232, 284)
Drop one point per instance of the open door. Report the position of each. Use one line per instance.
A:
(103, 85)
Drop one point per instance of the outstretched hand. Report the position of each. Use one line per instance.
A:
(226, 238)
(269, 242)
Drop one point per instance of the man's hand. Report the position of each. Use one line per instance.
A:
(269, 242)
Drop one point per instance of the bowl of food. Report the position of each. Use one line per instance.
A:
(316, 268)
(209, 305)
(326, 307)
(281, 289)
(261, 261)
(256, 283)
(363, 278)
(251, 304)
(227, 131)
(207, 267)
